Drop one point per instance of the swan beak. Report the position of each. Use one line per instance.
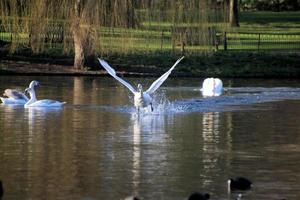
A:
(26, 90)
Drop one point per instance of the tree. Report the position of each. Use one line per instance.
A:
(234, 13)
(80, 35)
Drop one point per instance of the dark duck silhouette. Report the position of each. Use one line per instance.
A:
(239, 183)
(1, 190)
(199, 196)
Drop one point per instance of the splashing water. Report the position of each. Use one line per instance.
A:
(235, 99)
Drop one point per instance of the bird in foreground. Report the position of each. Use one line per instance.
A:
(131, 198)
(212, 87)
(1, 189)
(141, 98)
(199, 196)
(14, 97)
(33, 102)
(239, 183)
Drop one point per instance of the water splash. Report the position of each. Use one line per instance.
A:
(234, 99)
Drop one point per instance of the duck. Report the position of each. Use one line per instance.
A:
(239, 183)
(199, 196)
(212, 87)
(1, 190)
(33, 102)
(142, 98)
(131, 198)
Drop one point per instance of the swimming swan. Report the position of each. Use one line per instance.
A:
(13, 97)
(212, 87)
(141, 98)
(33, 102)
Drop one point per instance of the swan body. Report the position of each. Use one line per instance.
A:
(33, 102)
(212, 87)
(141, 98)
(13, 97)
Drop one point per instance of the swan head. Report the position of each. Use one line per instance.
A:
(140, 87)
(33, 84)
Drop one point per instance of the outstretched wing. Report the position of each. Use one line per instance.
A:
(14, 94)
(155, 85)
(112, 72)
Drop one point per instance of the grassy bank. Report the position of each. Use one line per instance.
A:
(220, 64)
(267, 44)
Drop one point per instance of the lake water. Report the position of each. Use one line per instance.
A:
(97, 147)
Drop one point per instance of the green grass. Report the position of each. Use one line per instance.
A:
(274, 54)
(269, 22)
(279, 30)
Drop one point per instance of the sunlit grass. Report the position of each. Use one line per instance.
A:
(258, 30)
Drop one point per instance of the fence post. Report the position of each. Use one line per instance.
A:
(225, 41)
(258, 45)
(182, 43)
(162, 40)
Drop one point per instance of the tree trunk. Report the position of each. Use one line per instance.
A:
(234, 13)
(78, 37)
(79, 50)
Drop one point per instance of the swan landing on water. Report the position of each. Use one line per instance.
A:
(212, 87)
(33, 102)
(141, 98)
(13, 97)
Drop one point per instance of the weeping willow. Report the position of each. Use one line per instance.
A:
(89, 27)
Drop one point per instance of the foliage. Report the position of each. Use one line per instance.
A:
(271, 5)
(105, 22)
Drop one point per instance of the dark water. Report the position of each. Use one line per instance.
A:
(97, 147)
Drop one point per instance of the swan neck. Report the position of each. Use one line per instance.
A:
(32, 97)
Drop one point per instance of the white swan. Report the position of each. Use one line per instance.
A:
(141, 98)
(212, 87)
(33, 102)
(15, 97)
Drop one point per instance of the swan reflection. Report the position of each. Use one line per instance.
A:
(214, 127)
(211, 125)
(146, 129)
(38, 118)
(210, 134)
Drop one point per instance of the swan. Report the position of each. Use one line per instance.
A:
(212, 87)
(141, 98)
(33, 102)
(13, 97)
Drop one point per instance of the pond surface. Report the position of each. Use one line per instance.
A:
(97, 147)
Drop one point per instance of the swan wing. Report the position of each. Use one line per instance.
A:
(113, 73)
(15, 94)
(156, 84)
(46, 103)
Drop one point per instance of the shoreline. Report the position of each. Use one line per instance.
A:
(220, 64)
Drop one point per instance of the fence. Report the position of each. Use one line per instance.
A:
(141, 40)
(260, 42)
